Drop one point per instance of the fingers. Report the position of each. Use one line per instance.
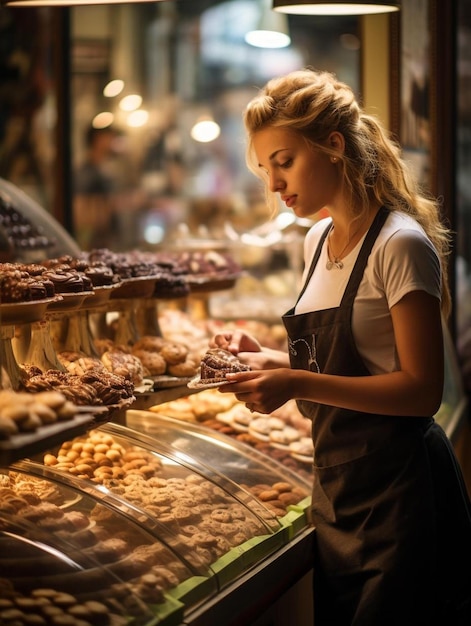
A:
(235, 381)
(240, 377)
(221, 340)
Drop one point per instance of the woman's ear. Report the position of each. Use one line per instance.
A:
(336, 141)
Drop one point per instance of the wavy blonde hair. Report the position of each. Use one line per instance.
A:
(315, 104)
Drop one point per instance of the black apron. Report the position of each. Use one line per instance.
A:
(392, 517)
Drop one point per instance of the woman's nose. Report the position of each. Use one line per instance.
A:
(275, 183)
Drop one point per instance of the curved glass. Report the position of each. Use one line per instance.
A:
(246, 466)
(218, 529)
(84, 552)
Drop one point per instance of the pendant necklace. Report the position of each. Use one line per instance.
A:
(336, 260)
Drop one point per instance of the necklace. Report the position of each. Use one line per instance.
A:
(336, 261)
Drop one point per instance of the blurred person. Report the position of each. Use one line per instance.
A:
(95, 191)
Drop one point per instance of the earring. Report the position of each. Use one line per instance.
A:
(334, 159)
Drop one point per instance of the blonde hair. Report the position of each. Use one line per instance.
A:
(315, 104)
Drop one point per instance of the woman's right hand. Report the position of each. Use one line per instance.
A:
(235, 341)
(249, 350)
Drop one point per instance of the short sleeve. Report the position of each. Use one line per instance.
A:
(409, 263)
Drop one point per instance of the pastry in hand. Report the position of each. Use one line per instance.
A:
(216, 363)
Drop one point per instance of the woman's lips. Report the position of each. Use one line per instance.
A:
(289, 200)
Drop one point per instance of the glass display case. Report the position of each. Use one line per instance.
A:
(85, 555)
(28, 233)
(206, 513)
(153, 527)
(277, 487)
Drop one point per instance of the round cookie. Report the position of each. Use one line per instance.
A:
(188, 368)
(153, 362)
(174, 353)
(149, 343)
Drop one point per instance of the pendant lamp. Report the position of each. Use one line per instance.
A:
(334, 7)
(65, 3)
(272, 30)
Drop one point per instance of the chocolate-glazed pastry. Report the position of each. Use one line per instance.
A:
(65, 281)
(37, 288)
(100, 275)
(216, 363)
(48, 286)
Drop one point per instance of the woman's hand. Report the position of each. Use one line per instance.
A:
(261, 391)
(235, 341)
(249, 351)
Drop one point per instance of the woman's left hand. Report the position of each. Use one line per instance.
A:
(263, 391)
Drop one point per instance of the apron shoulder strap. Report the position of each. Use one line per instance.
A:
(362, 259)
(315, 258)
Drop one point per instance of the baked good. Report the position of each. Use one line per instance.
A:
(216, 363)
(284, 436)
(186, 369)
(78, 363)
(174, 352)
(66, 281)
(100, 274)
(18, 231)
(126, 365)
(149, 343)
(153, 362)
(14, 287)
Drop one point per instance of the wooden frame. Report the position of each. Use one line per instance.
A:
(412, 75)
(438, 107)
(434, 148)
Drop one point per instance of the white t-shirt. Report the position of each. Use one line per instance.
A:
(402, 260)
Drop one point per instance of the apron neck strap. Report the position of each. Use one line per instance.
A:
(314, 260)
(362, 259)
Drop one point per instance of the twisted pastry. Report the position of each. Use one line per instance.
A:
(216, 363)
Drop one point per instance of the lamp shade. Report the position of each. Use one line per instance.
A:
(66, 3)
(272, 30)
(334, 7)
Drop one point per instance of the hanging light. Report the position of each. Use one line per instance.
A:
(64, 3)
(334, 7)
(272, 29)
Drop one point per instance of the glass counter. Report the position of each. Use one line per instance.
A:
(213, 525)
(276, 486)
(63, 550)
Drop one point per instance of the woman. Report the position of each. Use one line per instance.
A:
(365, 363)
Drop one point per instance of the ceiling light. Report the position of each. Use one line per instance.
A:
(272, 29)
(334, 7)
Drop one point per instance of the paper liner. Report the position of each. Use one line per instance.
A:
(206, 383)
